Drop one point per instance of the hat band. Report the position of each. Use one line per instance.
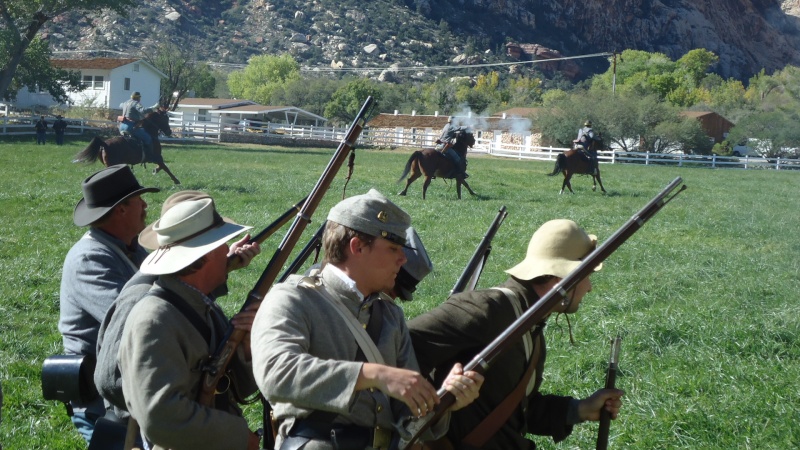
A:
(163, 249)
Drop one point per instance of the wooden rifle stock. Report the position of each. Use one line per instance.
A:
(276, 225)
(544, 306)
(469, 277)
(611, 381)
(214, 369)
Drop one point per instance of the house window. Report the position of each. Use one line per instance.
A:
(87, 81)
(136, 67)
(127, 84)
(98, 82)
(202, 115)
(92, 82)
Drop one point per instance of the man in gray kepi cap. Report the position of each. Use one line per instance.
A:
(332, 353)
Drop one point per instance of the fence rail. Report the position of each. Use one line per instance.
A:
(211, 129)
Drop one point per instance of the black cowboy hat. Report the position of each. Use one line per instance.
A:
(104, 190)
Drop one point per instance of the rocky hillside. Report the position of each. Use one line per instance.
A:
(748, 35)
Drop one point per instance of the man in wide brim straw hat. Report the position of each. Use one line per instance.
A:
(333, 345)
(106, 374)
(99, 264)
(170, 332)
(468, 322)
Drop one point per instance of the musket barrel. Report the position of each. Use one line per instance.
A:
(539, 310)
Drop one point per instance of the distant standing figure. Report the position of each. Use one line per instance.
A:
(41, 131)
(59, 126)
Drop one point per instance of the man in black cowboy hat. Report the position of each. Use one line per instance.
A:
(99, 264)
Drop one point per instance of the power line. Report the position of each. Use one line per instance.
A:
(380, 69)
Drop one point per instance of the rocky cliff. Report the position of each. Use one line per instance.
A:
(747, 35)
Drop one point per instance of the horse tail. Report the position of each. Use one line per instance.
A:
(411, 159)
(91, 153)
(559, 165)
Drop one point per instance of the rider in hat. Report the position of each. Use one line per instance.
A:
(132, 116)
(468, 322)
(444, 144)
(354, 378)
(584, 141)
(99, 264)
(170, 332)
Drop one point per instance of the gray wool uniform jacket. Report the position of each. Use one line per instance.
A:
(159, 358)
(92, 277)
(304, 355)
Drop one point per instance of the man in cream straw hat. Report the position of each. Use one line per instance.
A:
(171, 331)
(510, 405)
(107, 375)
(332, 354)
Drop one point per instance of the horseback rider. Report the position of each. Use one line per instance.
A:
(131, 123)
(584, 141)
(445, 145)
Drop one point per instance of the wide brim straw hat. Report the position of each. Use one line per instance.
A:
(555, 249)
(186, 233)
(149, 238)
(104, 190)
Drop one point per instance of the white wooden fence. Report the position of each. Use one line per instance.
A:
(210, 129)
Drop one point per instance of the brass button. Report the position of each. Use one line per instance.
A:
(380, 408)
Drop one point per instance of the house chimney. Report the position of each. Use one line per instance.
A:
(504, 115)
(413, 112)
(436, 114)
(395, 112)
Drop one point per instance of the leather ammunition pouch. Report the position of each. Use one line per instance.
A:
(69, 378)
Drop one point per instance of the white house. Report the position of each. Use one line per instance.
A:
(108, 82)
(229, 111)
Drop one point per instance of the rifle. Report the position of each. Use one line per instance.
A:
(611, 380)
(539, 310)
(275, 225)
(469, 277)
(214, 368)
(314, 245)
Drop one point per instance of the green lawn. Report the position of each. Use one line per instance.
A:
(705, 294)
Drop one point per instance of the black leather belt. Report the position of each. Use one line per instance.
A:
(343, 437)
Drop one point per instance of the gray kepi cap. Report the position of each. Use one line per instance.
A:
(373, 214)
(417, 266)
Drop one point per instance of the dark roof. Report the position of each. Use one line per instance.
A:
(93, 63)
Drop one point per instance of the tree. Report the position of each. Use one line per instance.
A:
(36, 72)
(348, 99)
(773, 133)
(262, 76)
(21, 21)
(183, 74)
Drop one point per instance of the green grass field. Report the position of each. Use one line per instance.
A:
(705, 294)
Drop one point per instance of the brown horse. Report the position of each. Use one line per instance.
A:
(431, 163)
(120, 150)
(572, 162)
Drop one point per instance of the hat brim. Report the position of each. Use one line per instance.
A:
(149, 238)
(166, 260)
(84, 215)
(530, 269)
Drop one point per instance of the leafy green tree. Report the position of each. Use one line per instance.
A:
(311, 94)
(21, 20)
(771, 133)
(348, 99)
(262, 76)
(36, 72)
(183, 74)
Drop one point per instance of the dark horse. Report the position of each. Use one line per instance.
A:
(572, 162)
(120, 150)
(432, 163)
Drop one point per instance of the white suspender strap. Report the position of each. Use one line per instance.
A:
(363, 340)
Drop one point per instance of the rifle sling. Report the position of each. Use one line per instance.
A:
(500, 414)
(187, 311)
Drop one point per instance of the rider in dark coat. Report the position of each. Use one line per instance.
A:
(586, 136)
(445, 145)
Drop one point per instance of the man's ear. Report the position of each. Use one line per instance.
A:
(356, 246)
